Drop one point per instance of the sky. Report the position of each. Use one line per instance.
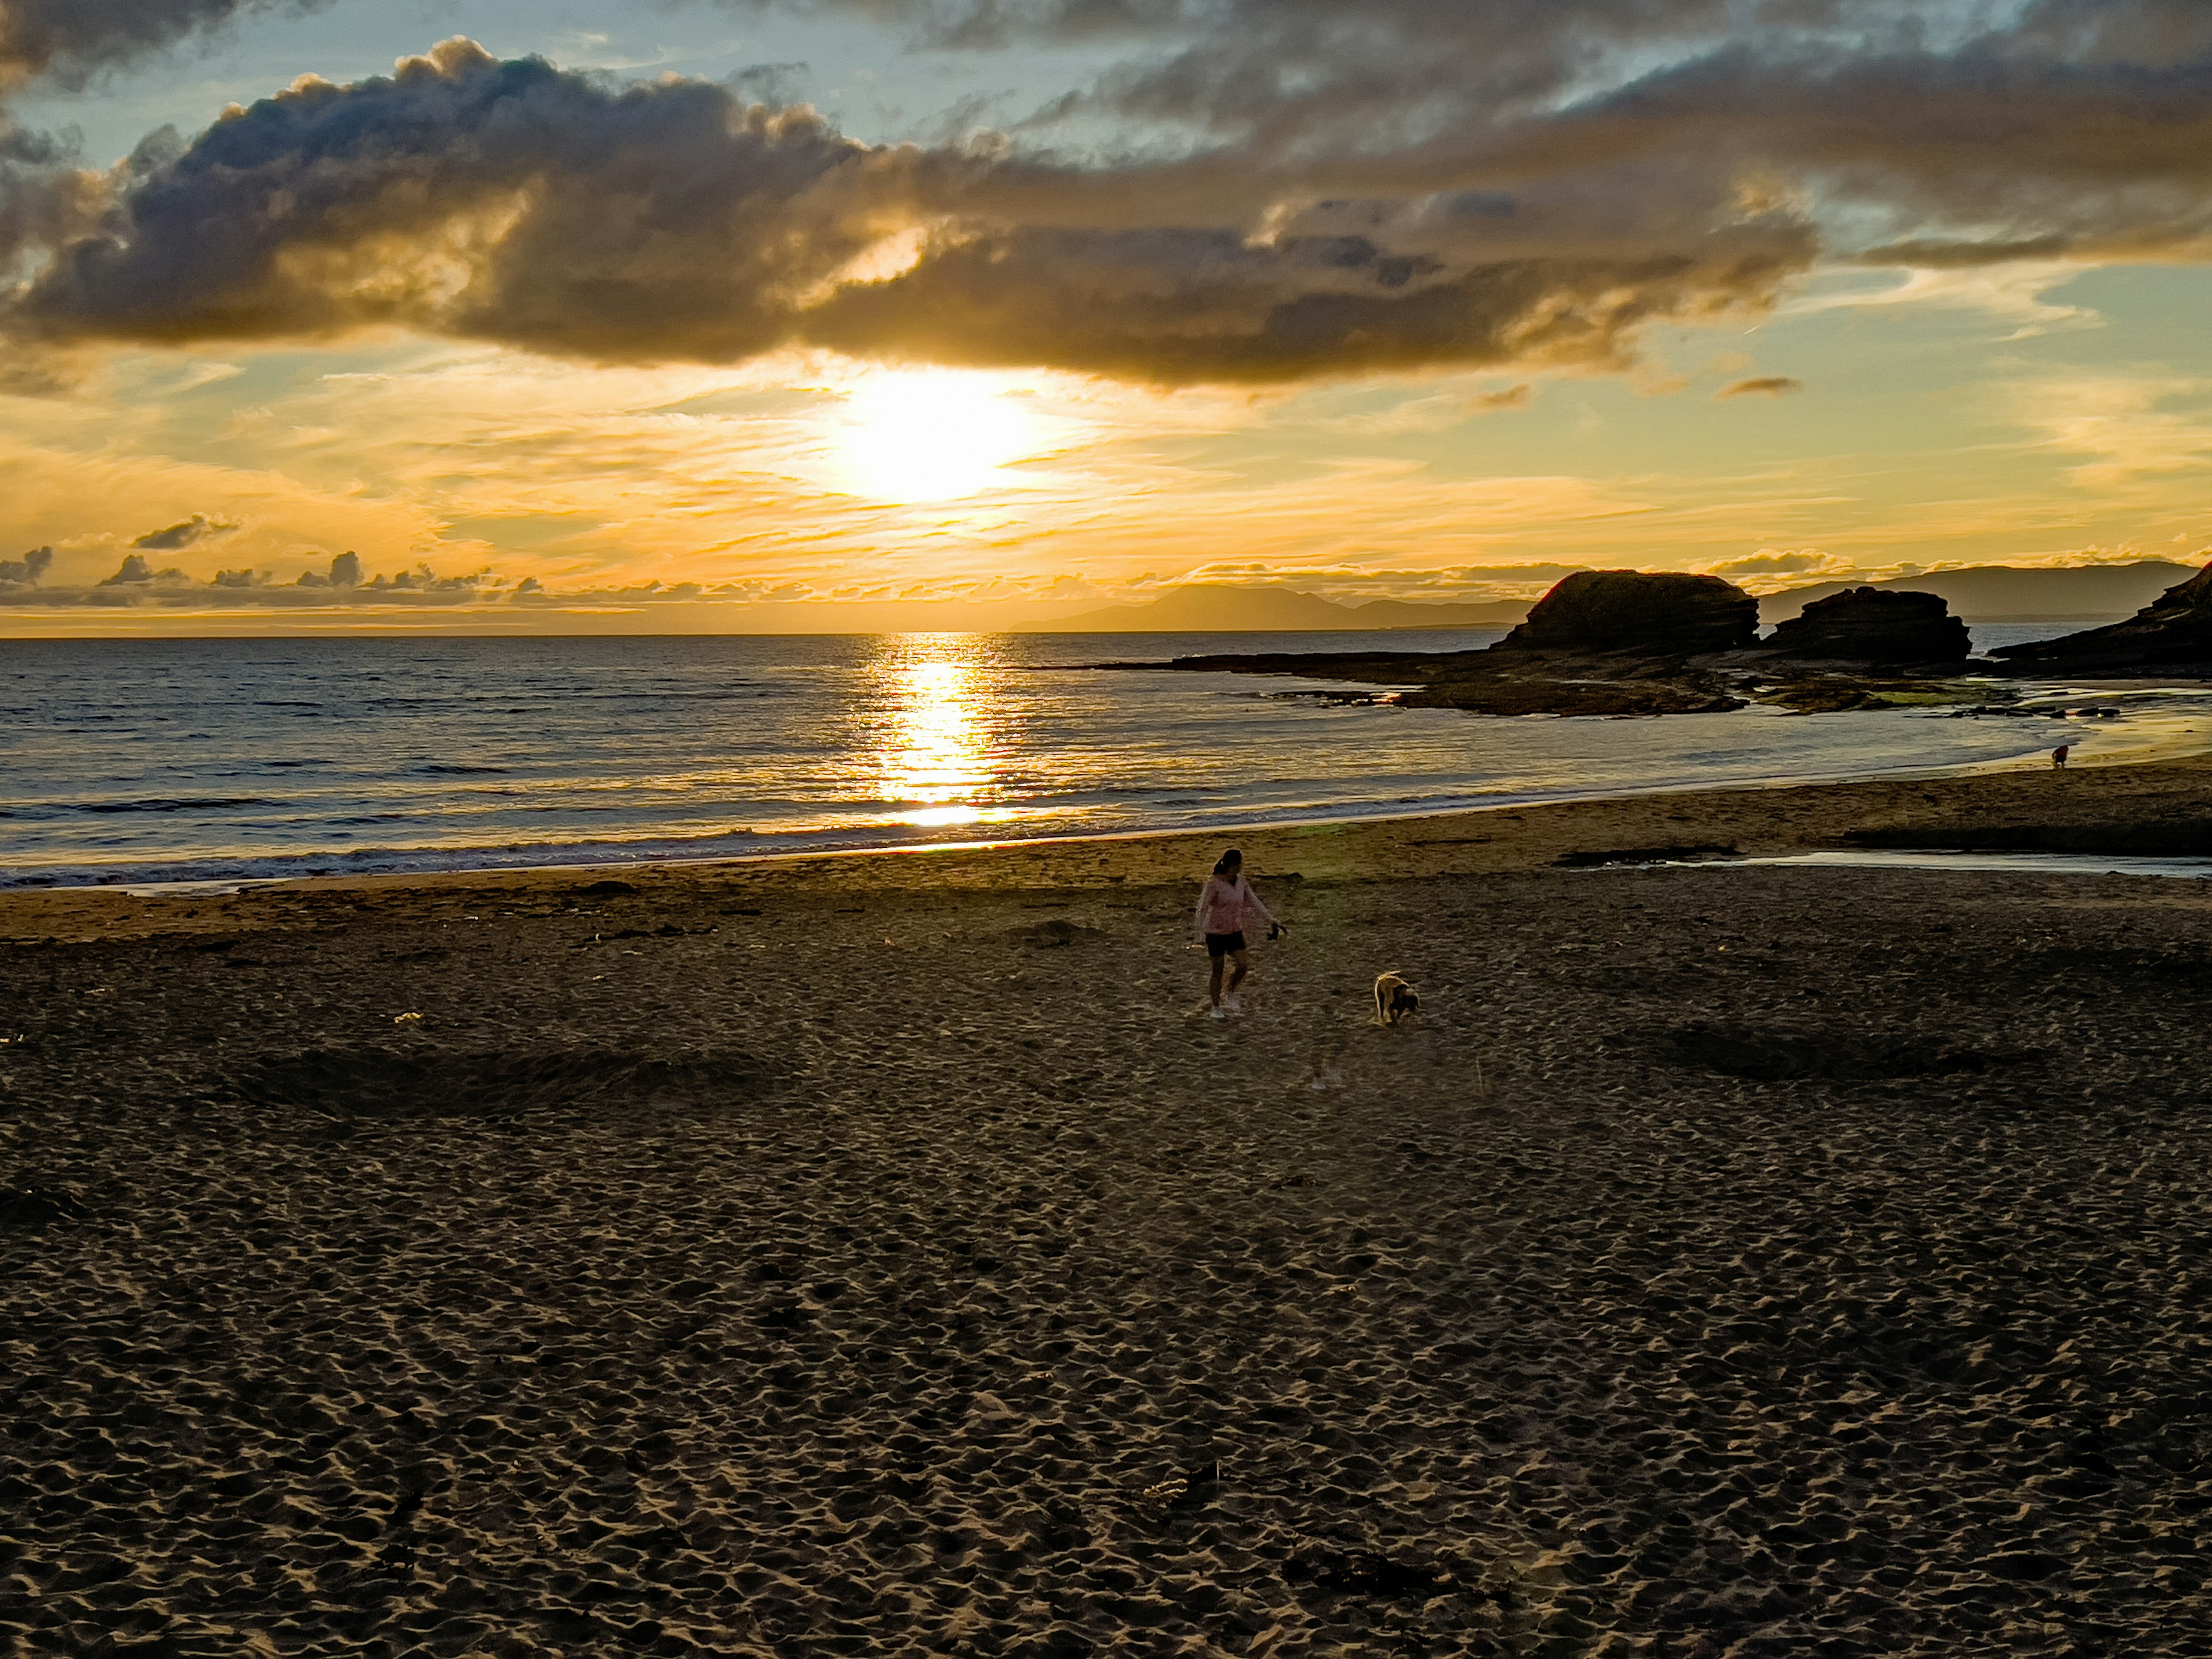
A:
(764, 313)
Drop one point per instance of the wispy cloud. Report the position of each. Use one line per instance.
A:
(2016, 294)
(2140, 430)
(1761, 386)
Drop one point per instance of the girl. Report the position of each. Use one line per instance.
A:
(1223, 904)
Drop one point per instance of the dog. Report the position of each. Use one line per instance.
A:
(1395, 999)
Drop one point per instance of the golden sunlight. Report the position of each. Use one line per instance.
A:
(935, 435)
(939, 758)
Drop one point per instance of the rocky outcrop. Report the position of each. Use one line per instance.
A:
(1496, 681)
(1621, 642)
(1498, 693)
(2172, 635)
(1873, 624)
(1662, 614)
(1620, 683)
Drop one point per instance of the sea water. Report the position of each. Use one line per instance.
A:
(161, 761)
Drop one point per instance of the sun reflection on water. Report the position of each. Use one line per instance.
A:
(941, 749)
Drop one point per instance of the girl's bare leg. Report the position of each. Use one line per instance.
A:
(1243, 967)
(1213, 984)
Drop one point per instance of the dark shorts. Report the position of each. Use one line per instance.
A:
(1223, 944)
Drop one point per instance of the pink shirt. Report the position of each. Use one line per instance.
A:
(1224, 905)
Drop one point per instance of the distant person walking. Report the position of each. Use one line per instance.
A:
(1226, 907)
(2058, 756)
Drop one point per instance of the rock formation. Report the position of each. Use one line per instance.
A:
(1621, 643)
(2172, 634)
(1873, 624)
(1496, 681)
(1662, 614)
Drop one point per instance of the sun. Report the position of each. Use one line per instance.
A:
(935, 435)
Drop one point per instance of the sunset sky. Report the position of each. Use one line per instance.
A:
(976, 312)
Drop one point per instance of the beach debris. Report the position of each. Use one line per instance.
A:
(1298, 1178)
(1185, 1489)
(407, 1019)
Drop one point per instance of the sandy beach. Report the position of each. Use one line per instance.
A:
(884, 1255)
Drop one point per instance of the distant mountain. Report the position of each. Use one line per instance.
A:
(1412, 613)
(2015, 593)
(1217, 608)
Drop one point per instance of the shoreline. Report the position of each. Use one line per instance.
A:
(1748, 819)
(2153, 747)
(206, 853)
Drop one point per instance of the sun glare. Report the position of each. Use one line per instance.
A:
(939, 759)
(935, 435)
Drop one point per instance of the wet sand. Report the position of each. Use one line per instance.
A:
(883, 1254)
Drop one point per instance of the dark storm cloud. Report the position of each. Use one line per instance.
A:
(44, 202)
(2083, 124)
(2038, 156)
(135, 584)
(769, 83)
(517, 203)
(197, 528)
(67, 41)
(134, 571)
(29, 568)
(1934, 255)
(1333, 189)
(2128, 31)
(1191, 305)
(505, 201)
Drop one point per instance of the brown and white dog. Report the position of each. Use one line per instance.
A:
(1395, 999)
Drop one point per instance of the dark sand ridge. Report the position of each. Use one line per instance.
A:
(810, 1258)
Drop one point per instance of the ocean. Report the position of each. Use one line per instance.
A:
(146, 761)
